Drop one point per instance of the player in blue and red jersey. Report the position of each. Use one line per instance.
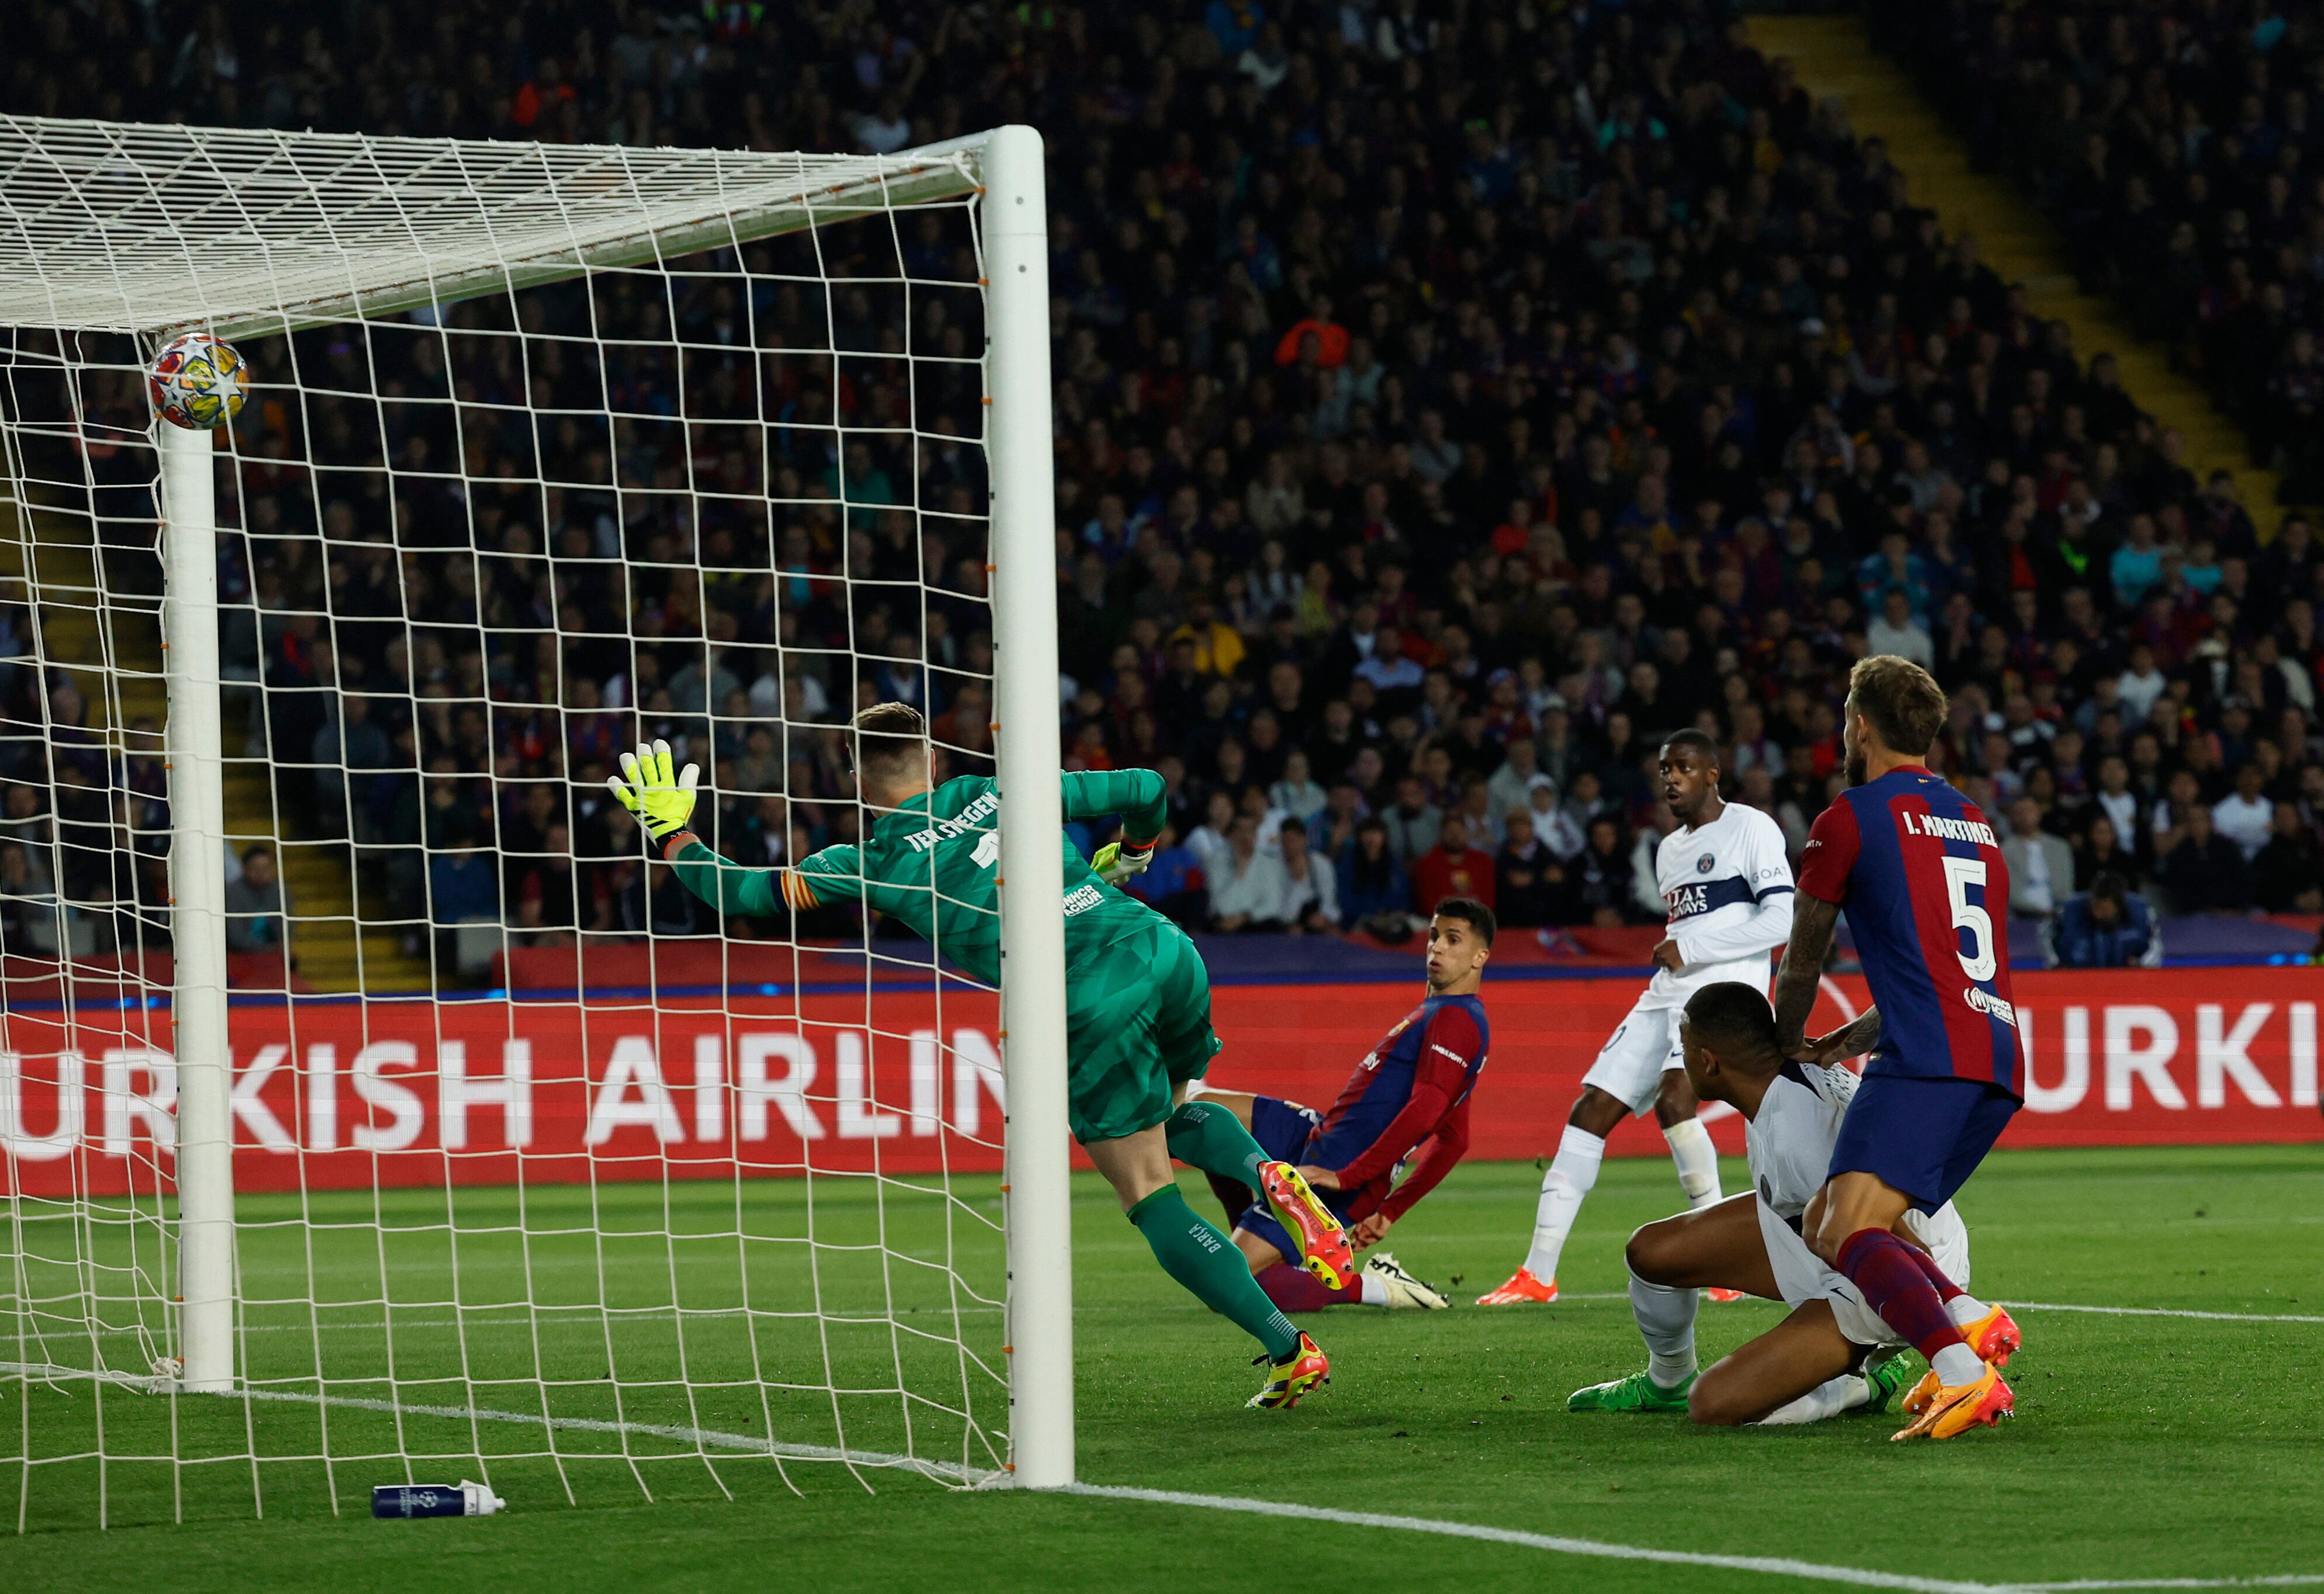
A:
(1410, 1094)
(1919, 869)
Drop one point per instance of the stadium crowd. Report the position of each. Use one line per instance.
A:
(2179, 151)
(1452, 399)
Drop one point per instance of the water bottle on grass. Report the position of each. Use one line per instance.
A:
(435, 1499)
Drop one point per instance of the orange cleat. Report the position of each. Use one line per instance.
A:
(1722, 1297)
(1945, 1410)
(1995, 1337)
(1307, 1370)
(1523, 1289)
(1324, 1247)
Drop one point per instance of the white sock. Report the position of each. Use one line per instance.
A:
(1375, 1289)
(1965, 1309)
(1665, 1319)
(1827, 1399)
(1698, 1162)
(1571, 1172)
(1957, 1365)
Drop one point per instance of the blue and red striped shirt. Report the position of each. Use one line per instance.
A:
(1919, 869)
(1411, 1088)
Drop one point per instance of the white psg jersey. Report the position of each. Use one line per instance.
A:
(1789, 1142)
(1727, 886)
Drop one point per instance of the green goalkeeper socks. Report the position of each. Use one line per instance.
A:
(1212, 1271)
(1205, 1136)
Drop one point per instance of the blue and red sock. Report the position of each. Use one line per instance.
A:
(1900, 1283)
(1294, 1289)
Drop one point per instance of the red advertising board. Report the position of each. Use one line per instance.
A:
(333, 1093)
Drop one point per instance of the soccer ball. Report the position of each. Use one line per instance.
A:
(197, 383)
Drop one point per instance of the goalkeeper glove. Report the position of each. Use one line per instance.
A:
(662, 804)
(1113, 865)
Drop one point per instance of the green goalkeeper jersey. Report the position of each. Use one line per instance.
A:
(934, 864)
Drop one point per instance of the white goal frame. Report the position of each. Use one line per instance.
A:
(241, 233)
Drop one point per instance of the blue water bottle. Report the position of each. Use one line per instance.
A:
(435, 1499)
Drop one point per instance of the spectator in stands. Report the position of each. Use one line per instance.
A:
(2205, 872)
(1310, 889)
(1374, 893)
(2100, 850)
(2107, 926)
(2041, 865)
(1173, 884)
(1452, 868)
(1250, 890)
(1414, 823)
(2287, 875)
(2245, 815)
(1528, 880)
(257, 907)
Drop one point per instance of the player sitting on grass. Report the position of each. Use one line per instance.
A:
(1138, 999)
(1727, 886)
(1409, 1094)
(1833, 1353)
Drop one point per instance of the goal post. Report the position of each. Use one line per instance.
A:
(1032, 879)
(114, 238)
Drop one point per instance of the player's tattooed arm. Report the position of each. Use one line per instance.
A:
(1859, 1036)
(1813, 920)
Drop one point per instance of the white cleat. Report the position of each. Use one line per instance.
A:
(1403, 1289)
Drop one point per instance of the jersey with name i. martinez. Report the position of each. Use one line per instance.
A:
(1919, 870)
(934, 864)
(1718, 882)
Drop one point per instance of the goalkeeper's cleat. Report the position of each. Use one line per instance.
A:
(1523, 1289)
(1637, 1392)
(1307, 1370)
(1403, 1289)
(1324, 1247)
(1884, 1378)
(1948, 1410)
(1722, 1297)
(1994, 1337)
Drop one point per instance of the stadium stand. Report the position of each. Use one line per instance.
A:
(1451, 400)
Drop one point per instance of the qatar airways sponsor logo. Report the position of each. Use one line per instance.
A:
(1951, 830)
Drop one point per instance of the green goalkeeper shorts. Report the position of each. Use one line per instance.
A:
(1138, 1025)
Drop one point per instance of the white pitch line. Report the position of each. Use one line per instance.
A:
(2157, 1311)
(2287, 1580)
(1774, 1565)
(982, 1477)
(701, 1438)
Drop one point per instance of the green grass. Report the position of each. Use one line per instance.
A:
(2146, 1447)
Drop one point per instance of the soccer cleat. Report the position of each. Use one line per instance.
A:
(1917, 1401)
(1956, 1409)
(1885, 1378)
(1637, 1392)
(1324, 1248)
(1722, 1297)
(1403, 1289)
(1994, 1337)
(1307, 1370)
(1523, 1289)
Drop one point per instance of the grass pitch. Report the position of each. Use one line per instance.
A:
(2146, 1447)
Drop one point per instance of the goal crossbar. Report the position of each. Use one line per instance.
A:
(244, 233)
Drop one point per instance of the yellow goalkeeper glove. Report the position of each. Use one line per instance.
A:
(662, 804)
(1114, 866)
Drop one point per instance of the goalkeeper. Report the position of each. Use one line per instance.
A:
(1138, 999)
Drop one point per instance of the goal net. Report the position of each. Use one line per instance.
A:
(375, 1106)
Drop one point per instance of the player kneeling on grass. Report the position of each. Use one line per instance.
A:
(1138, 999)
(1410, 1094)
(1833, 1353)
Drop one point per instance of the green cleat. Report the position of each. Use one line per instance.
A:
(1637, 1392)
(1886, 1378)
